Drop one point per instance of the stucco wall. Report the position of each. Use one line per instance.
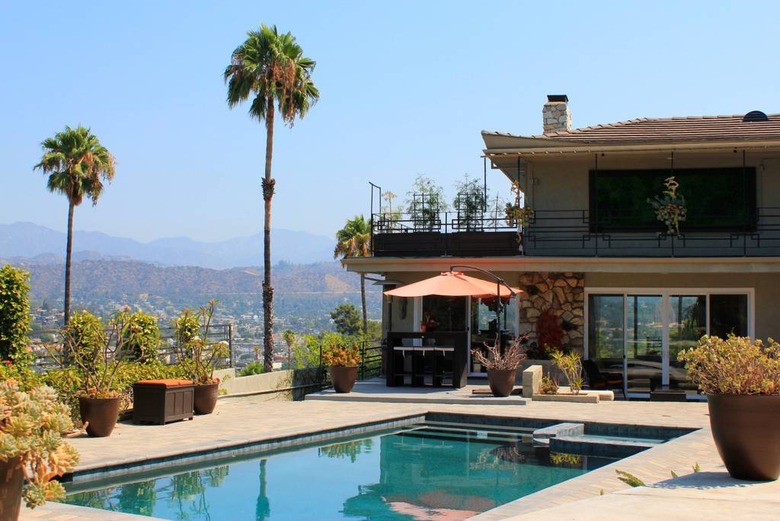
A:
(561, 183)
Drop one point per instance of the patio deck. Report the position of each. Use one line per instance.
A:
(243, 421)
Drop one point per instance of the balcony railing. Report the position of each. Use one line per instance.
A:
(566, 233)
(443, 234)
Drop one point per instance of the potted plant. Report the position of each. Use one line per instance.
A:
(97, 353)
(517, 215)
(470, 204)
(501, 364)
(670, 207)
(31, 447)
(343, 356)
(425, 205)
(199, 356)
(741, 379)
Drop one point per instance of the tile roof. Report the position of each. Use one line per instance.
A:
(701, 129)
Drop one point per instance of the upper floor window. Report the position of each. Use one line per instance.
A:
(717, 199)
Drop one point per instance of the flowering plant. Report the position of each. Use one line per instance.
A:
(343, 352)
(31, 426)
(670, 206)
(735, 365)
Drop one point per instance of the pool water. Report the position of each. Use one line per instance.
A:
(422, 472)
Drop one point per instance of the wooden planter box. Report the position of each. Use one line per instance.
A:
(162, 401)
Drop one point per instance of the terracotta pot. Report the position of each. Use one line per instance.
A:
(205, 398)
(343, 378)
(99, 414)
(501, 381)
(11, 481)
(746, 430)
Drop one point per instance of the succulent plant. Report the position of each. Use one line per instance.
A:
(31, 427)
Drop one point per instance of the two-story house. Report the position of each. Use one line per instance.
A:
(644, 236)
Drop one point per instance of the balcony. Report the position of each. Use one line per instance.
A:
(443, 235)
(565, 233)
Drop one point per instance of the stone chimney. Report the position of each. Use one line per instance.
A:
(555, 113)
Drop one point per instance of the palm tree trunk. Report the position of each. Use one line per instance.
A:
(68, 251)
(268, 290)
(363, 303)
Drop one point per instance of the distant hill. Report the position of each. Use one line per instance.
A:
(38, 244)
(304, 294)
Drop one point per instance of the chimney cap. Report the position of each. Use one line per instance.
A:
(558, 98)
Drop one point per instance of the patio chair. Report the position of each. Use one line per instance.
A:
(598, 380)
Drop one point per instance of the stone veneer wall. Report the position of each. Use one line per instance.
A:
(564, 293)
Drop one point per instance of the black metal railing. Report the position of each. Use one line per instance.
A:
(569, 233)
(44, 350)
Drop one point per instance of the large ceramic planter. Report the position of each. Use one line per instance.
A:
(501, 381)
(746, 430)
(343, 378)
(99, 415)
(205, 398)
(11, 481)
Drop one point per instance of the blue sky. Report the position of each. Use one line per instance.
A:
(406, 87)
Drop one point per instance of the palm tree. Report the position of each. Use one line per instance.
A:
(77, 165)
(289, 338)
(271, 68)
(354, 240)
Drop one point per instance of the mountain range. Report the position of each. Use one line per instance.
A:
(37, 244)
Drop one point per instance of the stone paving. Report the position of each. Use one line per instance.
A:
(254, 419)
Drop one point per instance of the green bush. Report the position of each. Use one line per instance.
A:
(83, 339)
(14, 315)
(255, 367)
(68, 383)
(141, 336)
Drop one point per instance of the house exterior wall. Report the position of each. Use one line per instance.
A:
(765, 286)
(562, 183)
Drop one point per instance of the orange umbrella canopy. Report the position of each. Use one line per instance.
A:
(452, 284)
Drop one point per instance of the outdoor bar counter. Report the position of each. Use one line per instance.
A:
(439, 357)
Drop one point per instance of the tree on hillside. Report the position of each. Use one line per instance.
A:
(354, 240)
(271, 68)
(77, 165)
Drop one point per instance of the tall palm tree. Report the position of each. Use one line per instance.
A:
(77, 165)
(354, 240)
(271, 68)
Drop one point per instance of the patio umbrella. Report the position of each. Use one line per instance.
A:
(454, 284)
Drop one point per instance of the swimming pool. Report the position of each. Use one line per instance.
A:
(426, 471)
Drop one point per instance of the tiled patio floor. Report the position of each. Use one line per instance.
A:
(248, 420)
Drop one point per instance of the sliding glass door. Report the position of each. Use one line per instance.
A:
(638, 335)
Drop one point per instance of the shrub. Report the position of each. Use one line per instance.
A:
(736, 365)
(252, 368)
(14, 315)
(548, 385)
(82, 339)
(196, 354)
(141, 336)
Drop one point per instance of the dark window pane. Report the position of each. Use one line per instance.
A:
(717, 199)
(728, 314)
